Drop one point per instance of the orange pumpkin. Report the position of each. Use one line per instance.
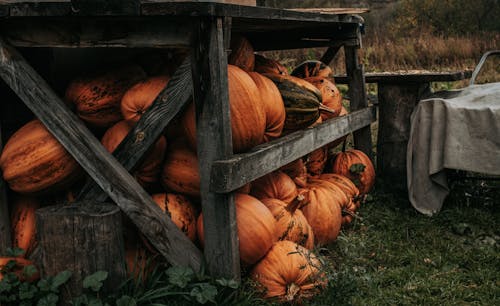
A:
(331, 96)
(248, 118)
(97, 97)
(343, 198)
(241, 53)
(256, 228)
(273, 105)
(181, 211)
(357, 166)
(345, 184)
(276, 185)
(323, 212)
(290, 222)
(316, 160)
(289, 273)
(181, 170)
(267, 65)
(33, 161)
(297, 171)
(312, 68)
(149, 171)
(139, 97)
(20, 264)
(23, 223)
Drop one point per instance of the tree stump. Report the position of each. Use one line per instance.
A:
(82, 238)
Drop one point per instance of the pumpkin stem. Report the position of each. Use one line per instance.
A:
(326, 109)
(299, 200)
(291, 291)
(350, 213)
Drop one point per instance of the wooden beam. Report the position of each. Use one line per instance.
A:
(98, 32)
(150, 127)
(240, 169)
(408, 77)
(107, 7)
(331, 52)
(214, 142)
(93, 157)
(357, 95)
(5, 228)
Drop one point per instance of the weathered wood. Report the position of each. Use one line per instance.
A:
(331, 52)
(93, 157)
(414, 76)
(98, 32)
(214, 141)
(396, 104)
(357, 95)
(107, 7)
(150, 127)
(83, 239)
(285, 41)
(5, 232)
(234, 172)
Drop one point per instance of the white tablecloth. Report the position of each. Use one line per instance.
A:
(457, 129)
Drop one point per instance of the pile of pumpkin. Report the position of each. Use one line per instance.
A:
(281, 216)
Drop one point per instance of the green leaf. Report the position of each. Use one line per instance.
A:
(230, 283)
(14, 252)
(180, 276)
(125, 301)
(29, 271)
(48, 300)
(5, 286)
(44, 284)
(80, 301)
(27, 291)
(95, 302)
(357, 168)
(204, 293)
(59, 279)
(95, 280)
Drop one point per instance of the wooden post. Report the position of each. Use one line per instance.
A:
(5, 232)
(396, 104)
(82, 239)
(357, 95)
(214, 142)
(331, 52)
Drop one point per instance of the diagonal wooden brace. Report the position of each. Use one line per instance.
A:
(93, 157)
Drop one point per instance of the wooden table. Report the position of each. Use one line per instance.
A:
(206, 29)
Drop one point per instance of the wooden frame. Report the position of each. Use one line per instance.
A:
(205, 28)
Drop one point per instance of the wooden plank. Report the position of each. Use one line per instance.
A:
(332, 10)
(98, 32)
(149, 128)
(93, 157)
(357, 95)
(413, 76)
(39, 8)
(106, 7)
(214, 142)
(331, 52)
(5, 229)
(234, 172)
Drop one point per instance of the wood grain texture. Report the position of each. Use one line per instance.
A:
(213, 133)
(83, 238)
(107, 7)
(234, 172)
(98, 32)
(93, 157)
(357, 95)
(150, 127)
(408, 77)
(5, 229)
(331, 52)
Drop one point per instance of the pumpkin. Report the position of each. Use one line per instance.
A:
(139, 97)
(343, 183)
(289, 273)
(273, 105)
(23, 223)
(181, 170)
(267, 65)
(312, 68)
(149, 170)
(302, 101)
(248, 118)
(290, 222)
(34, 162)
(357, 166)
(241, 53)
(342, 196)
(97, 97)
(316, 160)
(323, 212)
(276, 185)
(180, 210)
(297, 171)
(331, 96)
(335, 143)
(256, 228)
(18, 268)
